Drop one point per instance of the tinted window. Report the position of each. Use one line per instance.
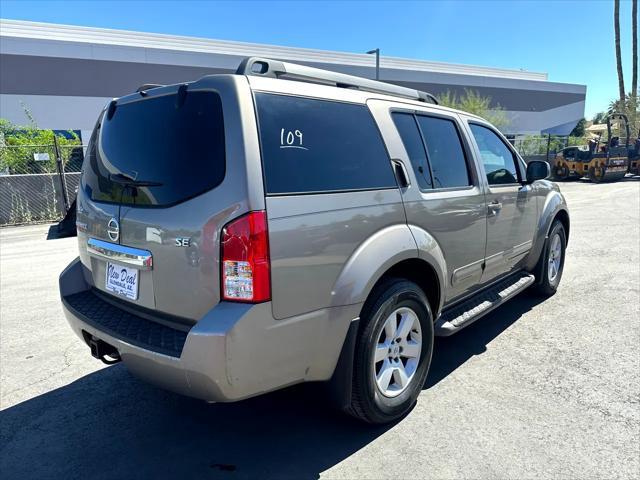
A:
(318, 146)
(177, 146)
(445, 152)
(408, 130)
(498, 160)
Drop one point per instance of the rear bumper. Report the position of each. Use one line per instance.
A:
(235, 351)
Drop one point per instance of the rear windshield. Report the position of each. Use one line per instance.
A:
(157, 151)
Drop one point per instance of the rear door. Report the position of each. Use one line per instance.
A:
(157, 168)
(511, 204)
(445, 197)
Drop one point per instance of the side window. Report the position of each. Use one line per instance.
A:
(408, 130)
(311, 146)
(498, 160)
(445, 152)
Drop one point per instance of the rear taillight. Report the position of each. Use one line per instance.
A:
(245, 259)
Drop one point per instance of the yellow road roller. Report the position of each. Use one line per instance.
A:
(601, 161)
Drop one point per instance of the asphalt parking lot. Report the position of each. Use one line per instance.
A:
(536, 389)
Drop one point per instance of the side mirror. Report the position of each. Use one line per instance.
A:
(537, 170)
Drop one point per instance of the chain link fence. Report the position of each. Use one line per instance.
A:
(541, 147)
(38, 183)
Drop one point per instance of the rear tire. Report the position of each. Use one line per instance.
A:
(392, 353)
(551, 263)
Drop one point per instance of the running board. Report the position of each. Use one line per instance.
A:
(461, 315)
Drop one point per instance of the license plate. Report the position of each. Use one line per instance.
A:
(122, 280)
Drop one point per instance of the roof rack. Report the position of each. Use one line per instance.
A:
(264, 67)
(148, 86)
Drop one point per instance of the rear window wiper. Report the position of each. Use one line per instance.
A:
(123, 179)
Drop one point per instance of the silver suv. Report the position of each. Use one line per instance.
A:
(286, 224)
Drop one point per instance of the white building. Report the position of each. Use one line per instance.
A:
(65, 74)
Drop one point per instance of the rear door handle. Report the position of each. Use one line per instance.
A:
(494, 207)
(401, 173)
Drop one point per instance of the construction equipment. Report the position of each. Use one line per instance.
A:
(606, 161)
(634, 156)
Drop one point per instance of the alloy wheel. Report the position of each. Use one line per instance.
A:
(555, 258)
(397, 352)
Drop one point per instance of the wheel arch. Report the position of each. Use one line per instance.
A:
(554, 207)
(402, 250)
(420, 272)
(563, 216)
(424, 266)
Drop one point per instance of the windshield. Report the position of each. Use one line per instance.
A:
(157, 151)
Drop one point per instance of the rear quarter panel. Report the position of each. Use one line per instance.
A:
(312, 237)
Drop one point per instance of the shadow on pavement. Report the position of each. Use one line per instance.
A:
(586, 181)
(450, 353)
(55, 233)
(110, 425)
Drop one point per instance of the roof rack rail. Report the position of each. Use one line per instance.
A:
(264, 67)
(148, 86)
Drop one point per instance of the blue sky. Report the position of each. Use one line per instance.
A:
(570, 40)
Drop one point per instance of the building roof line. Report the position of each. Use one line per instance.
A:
(126, 38)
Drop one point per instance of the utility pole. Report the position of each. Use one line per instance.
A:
(377, 52)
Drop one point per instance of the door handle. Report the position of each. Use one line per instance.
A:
(494, 207)
(401, 173)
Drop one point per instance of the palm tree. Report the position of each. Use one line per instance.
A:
(634, 37)
(634, 65)
(616, 27)
(616, 106)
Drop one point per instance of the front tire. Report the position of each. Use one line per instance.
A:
(551, 263)
(393, 352)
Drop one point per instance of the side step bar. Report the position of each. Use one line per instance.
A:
(457, 317)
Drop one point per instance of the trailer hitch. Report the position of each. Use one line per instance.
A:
(103, 351)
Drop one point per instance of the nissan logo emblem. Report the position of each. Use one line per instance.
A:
(113, 229)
